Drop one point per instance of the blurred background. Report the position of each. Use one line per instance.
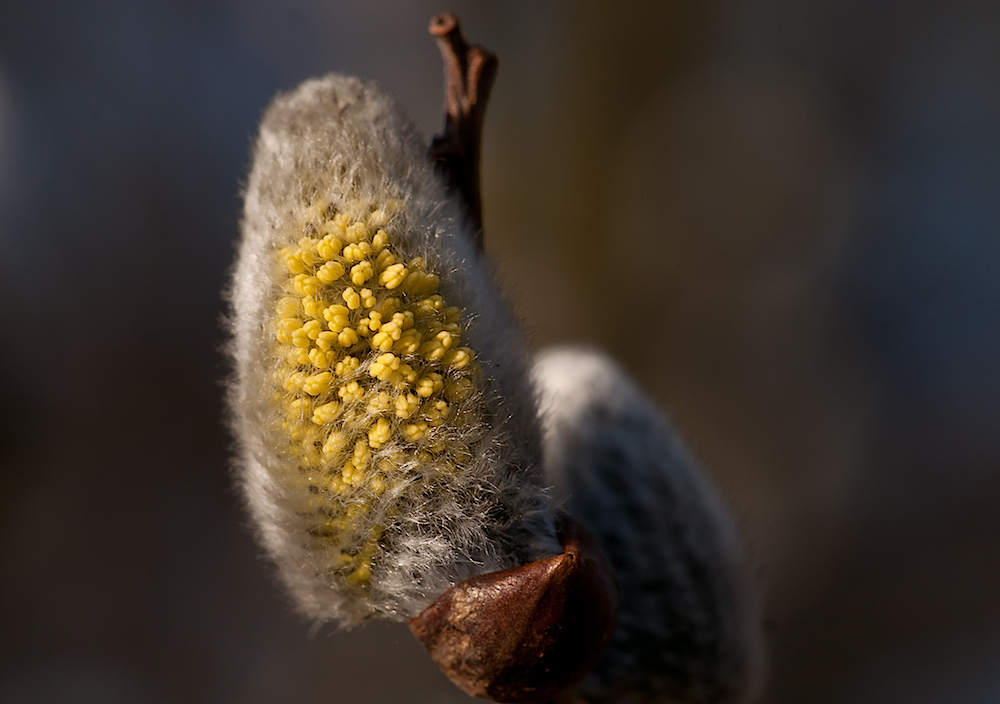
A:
(782, 217)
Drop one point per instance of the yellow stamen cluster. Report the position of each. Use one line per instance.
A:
(371, 375)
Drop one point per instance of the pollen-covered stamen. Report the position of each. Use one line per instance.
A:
(370, 371)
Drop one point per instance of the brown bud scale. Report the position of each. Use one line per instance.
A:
(528, 633)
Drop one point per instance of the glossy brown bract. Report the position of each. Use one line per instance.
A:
(527, 633)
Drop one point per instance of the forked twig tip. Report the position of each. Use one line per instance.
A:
(443, 24)
(469, 73)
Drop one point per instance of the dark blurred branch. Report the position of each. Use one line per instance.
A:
(469, 73)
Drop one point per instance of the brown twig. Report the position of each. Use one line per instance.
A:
(469, 72)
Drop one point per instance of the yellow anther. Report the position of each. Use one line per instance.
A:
(325, 413)
(287, 307)
(407, 373)
(303, 435)
(289, 325)
(368, 299)
(296, 356)
(388, 359)
(430, 304)
(393, 329)
(380, 433)
(312, 328)
(328, 526)
(328, 247)
(403, 319)
(357, 252)
(356, 232)
(383, 367)
(293, 382)
(458, 390)
(330, 272)
(389, 306)
(379, 403)
(333, 228)
(406, 405)
(334, 444)
(374, 320)
(300, 338)
(378, 218)
(429, 385)
(292, 261)
(453, 314)
(333, 485)
(353, 253)
(337, 317)
(361, 272)
(307, 250)
(310, 456)
(393, 276)
(419, 283)
(384, 260)
(351, 392)
(361, 576)
(381, 239)
(352, 298)
(299, 408)
(312, 307)
(326, 339)
(348, 472)
(435, 413)
(348, 337)
(409, 342)
(319, 358)
(347, 365)
(306, 285)
(415, 431)
(362, 454)
(382, 340)
(437, 347)
(458, 359)
(318, 383)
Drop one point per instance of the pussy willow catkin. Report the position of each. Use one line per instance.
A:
(689, 627)
(386, 423)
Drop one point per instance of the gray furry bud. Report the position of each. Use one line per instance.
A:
(688, 625)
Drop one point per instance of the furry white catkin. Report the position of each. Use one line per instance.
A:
(387, 430)
(688, 625)
(385, 409)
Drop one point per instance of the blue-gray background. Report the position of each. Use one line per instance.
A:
(782, 217)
